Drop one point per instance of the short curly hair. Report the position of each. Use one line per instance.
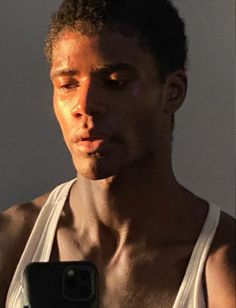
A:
(157, 21)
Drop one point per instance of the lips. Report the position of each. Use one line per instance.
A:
(89, 144)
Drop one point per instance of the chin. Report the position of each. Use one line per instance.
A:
(98, 167)
(96, 170)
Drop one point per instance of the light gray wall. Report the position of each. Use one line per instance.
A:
(33, 158)
(204, 153)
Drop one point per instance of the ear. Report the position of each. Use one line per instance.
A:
(175, 90)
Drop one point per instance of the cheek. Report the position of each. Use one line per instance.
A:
(145, 116)
(143, 107)
(62, 113)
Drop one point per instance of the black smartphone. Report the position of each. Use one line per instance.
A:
(60, 285)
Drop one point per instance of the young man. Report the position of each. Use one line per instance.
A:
(118, 70)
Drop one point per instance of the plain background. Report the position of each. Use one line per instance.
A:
(33, 158)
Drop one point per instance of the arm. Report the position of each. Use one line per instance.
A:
(15, 227)
(9, 250)
(220, 268)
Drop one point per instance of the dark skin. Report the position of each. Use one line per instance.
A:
(126, 206)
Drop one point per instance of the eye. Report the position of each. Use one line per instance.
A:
(116, 80)
(69, 86)
(116, 83)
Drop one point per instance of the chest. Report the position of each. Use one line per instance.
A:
(138, 278)
(148, 286)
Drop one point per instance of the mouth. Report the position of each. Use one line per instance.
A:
(89, 145)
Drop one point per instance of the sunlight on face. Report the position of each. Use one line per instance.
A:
(107, 99)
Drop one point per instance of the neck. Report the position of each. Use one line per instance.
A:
(140, 200)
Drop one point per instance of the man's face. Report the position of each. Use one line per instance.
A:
(108, 101)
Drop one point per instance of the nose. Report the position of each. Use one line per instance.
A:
(88, 102)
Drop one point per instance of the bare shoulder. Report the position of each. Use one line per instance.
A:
(220, 267)
(16, 224)
(224, 239)
(20, 218)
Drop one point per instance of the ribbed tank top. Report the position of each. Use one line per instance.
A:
(39, 246)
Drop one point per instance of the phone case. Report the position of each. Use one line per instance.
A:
(60, 285)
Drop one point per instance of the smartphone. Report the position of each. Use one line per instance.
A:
(60, 285)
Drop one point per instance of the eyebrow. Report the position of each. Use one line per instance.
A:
(103, 69)
(117, 66)
(63, 72)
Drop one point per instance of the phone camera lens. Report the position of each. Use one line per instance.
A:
(70, 272)
(78, 284)
(85, 276)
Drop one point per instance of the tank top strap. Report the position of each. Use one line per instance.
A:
(47, 222)
(190, 292)
(39, 244)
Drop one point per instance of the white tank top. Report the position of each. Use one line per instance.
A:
(39, 246)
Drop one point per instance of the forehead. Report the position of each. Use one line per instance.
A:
(73, 49)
